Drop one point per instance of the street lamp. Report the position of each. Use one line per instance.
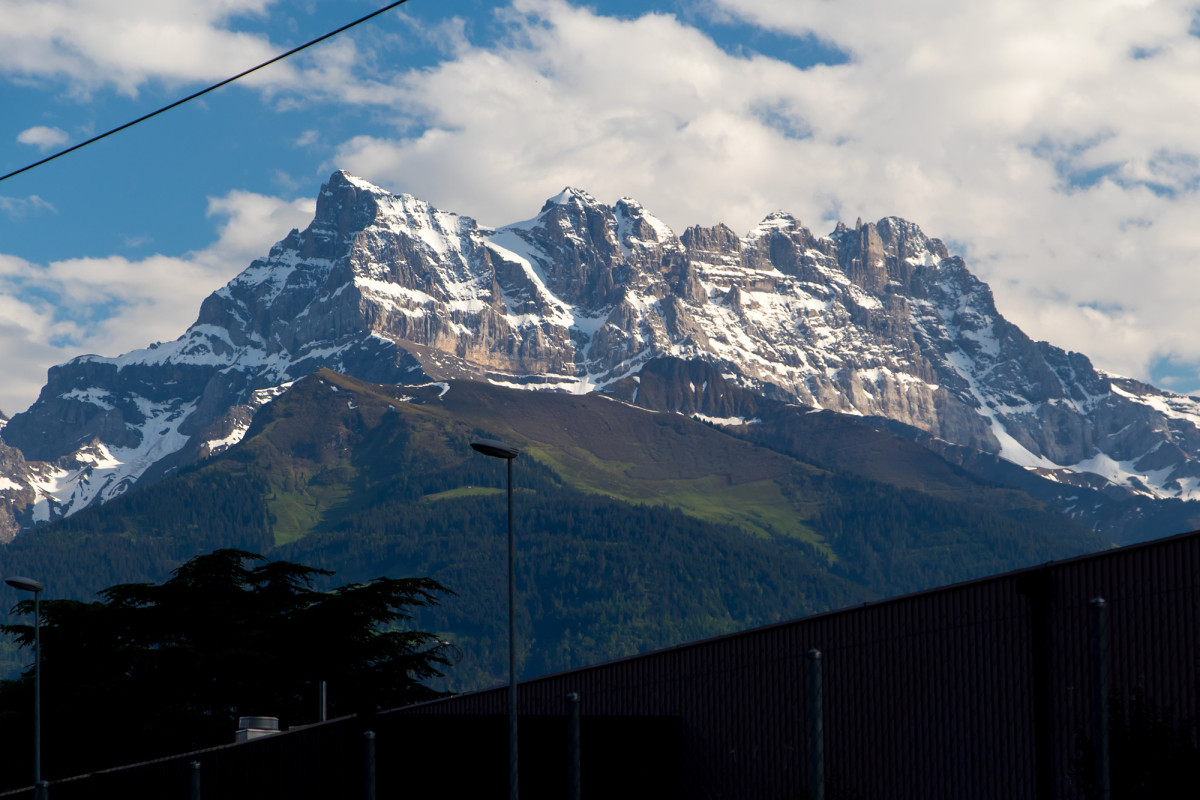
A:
(30, 585)
(490, 447)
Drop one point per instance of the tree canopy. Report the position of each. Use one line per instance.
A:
(151, 670)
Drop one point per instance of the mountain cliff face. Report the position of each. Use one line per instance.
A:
(876, 319)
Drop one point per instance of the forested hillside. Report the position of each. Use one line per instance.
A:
(635, 530)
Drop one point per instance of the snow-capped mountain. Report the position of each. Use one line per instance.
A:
(875, 319)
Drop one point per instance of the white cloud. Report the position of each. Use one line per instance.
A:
(647, 107)
(42, 137)
(17, 207)
(1055, 143)
(307, 139)
(124, 43)
(113, 304)
(89, 45)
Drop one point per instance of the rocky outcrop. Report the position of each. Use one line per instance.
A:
(874, 319)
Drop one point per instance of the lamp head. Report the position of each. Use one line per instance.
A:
(25, 584)
(495, 449)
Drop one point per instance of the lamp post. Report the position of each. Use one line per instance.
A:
(490, 447)
(30, 585)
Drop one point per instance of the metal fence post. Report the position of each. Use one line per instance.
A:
(369, 765)
(1101, 690)
(194, 772)
(574, 782)
(816, 727)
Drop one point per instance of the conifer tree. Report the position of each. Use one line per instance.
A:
(150, 670)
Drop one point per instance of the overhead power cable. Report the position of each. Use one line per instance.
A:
(202, 92)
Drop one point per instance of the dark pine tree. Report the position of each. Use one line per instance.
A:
(151, 670)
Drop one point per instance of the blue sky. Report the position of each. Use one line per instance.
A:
(1053, 144)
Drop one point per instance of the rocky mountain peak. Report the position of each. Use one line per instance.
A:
(569, 196)
(637, 226)
(345, 203)
(775, 221)
(876, 320)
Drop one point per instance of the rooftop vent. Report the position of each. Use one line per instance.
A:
(254, 727)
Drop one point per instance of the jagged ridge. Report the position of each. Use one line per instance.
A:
(876, 319)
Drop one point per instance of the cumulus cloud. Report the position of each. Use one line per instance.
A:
(648, 107)
(1055, 142)
(42, 137)
(52, 312)
(89, 45)
(1054, 145)
(1051, 144)
(123, 43)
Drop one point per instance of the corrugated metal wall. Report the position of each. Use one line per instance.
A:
(980, 690)
(972, 691)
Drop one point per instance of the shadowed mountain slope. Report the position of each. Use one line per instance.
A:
(636, 529)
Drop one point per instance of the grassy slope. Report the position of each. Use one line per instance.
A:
(592, 443)
(598, 445)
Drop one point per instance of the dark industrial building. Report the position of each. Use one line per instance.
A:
(992, 688)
